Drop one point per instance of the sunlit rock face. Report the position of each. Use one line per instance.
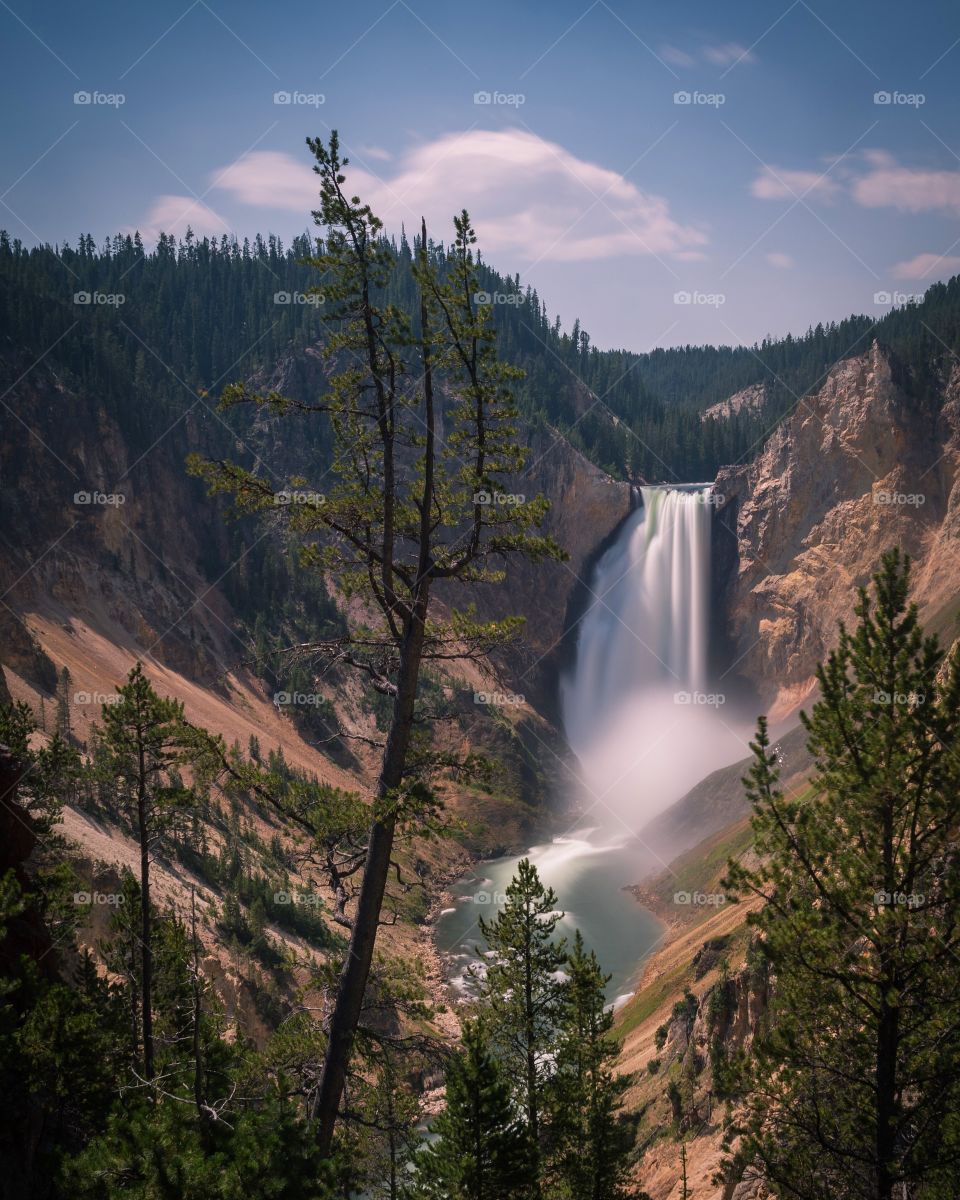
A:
(859, 467)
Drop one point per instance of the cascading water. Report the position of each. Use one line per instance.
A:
(636, 710)
(643, 727)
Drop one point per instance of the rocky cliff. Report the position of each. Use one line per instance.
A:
(863, 464)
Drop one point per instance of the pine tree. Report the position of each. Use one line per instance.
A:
(144, 739)
(423, 421)
(856, 1086)
(589, 1139)
(481, 1150)
(63, 704)
(520, 988)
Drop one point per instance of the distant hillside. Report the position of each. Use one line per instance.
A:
(148, 331)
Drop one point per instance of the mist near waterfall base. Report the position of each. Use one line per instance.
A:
(640, 712)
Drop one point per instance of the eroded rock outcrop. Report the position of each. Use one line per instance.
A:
(862, 465)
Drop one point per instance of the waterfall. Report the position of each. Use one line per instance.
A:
(636, 708)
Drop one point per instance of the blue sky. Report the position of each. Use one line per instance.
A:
(779, 194)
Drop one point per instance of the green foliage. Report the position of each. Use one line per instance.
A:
(519, 987)
(541, 1042)
(854, 1085)
(589, 1140)
(482, 1151)
(203, 303)
(59, 1055)
(165, 1150)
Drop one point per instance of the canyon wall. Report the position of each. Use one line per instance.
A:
(862, 465)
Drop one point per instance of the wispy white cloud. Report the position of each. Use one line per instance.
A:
(270, 179)
(875, 179)
(175, 215)
(375, 152)
(779, 183)
(677, 57)
(531, 200)
(927, 267)
(727, 54)
(889, 185)
(777, 259)
(718, 54)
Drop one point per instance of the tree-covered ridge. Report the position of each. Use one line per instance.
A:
(197, 313)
